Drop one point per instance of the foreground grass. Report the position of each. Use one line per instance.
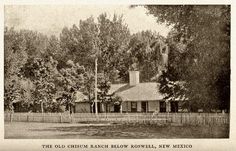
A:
(23, 130)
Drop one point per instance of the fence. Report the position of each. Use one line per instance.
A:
(150, 118)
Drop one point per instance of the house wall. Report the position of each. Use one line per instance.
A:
(129, 106)
(153, 106)
(112, 108)
(82, 107)
(125, 106)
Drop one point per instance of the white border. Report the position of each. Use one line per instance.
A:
(198, 144)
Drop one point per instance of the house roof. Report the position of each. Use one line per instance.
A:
(80, 97)
(139, 92)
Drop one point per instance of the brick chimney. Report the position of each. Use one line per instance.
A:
(133, 78)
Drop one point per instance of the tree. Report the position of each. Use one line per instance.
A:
(42, 72)
(89, 85)
(35, 43)
(104, 85)
(114, 37)
(71, 81)
(102, 42)
(15, 56)
(15, 52)
(144, 51)
(200, 51)
(77, 43)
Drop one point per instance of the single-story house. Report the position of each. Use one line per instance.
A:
(135, 96)
(140, 97)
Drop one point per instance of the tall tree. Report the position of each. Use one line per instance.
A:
(200, 47)
(15, 56)
(114, 37)
(77, 43)
(144, 51)
(71, 80)
(43, 73)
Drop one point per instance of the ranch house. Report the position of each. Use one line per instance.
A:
(140, 97)
(136, 97)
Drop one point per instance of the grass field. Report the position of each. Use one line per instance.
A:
(23, 130)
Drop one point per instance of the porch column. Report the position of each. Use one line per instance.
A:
(103, 109)
(120, 107)
(168, 107)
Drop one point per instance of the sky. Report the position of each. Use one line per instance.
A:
(50, 19)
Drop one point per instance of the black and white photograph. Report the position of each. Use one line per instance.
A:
(117, 72)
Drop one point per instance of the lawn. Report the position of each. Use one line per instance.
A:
(30, 130)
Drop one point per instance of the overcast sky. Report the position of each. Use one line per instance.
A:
(50, 19)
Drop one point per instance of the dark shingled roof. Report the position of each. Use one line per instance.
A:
(139, 92)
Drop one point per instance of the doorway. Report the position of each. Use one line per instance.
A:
(162, 106)
(144, 107)
(116, 108)
(133, 106)
(174, 106)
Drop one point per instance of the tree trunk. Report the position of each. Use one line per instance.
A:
(42, 107)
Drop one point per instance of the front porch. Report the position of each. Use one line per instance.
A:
(138, 107)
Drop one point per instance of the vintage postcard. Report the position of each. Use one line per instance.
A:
(81, 76)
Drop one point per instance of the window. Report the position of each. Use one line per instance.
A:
(133, 106)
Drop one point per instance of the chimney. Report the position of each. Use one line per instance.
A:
(133, 78)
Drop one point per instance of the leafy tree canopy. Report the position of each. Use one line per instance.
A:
(199, 52)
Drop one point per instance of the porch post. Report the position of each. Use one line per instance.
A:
(168, 106)
(103, 109)
(120, 107)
